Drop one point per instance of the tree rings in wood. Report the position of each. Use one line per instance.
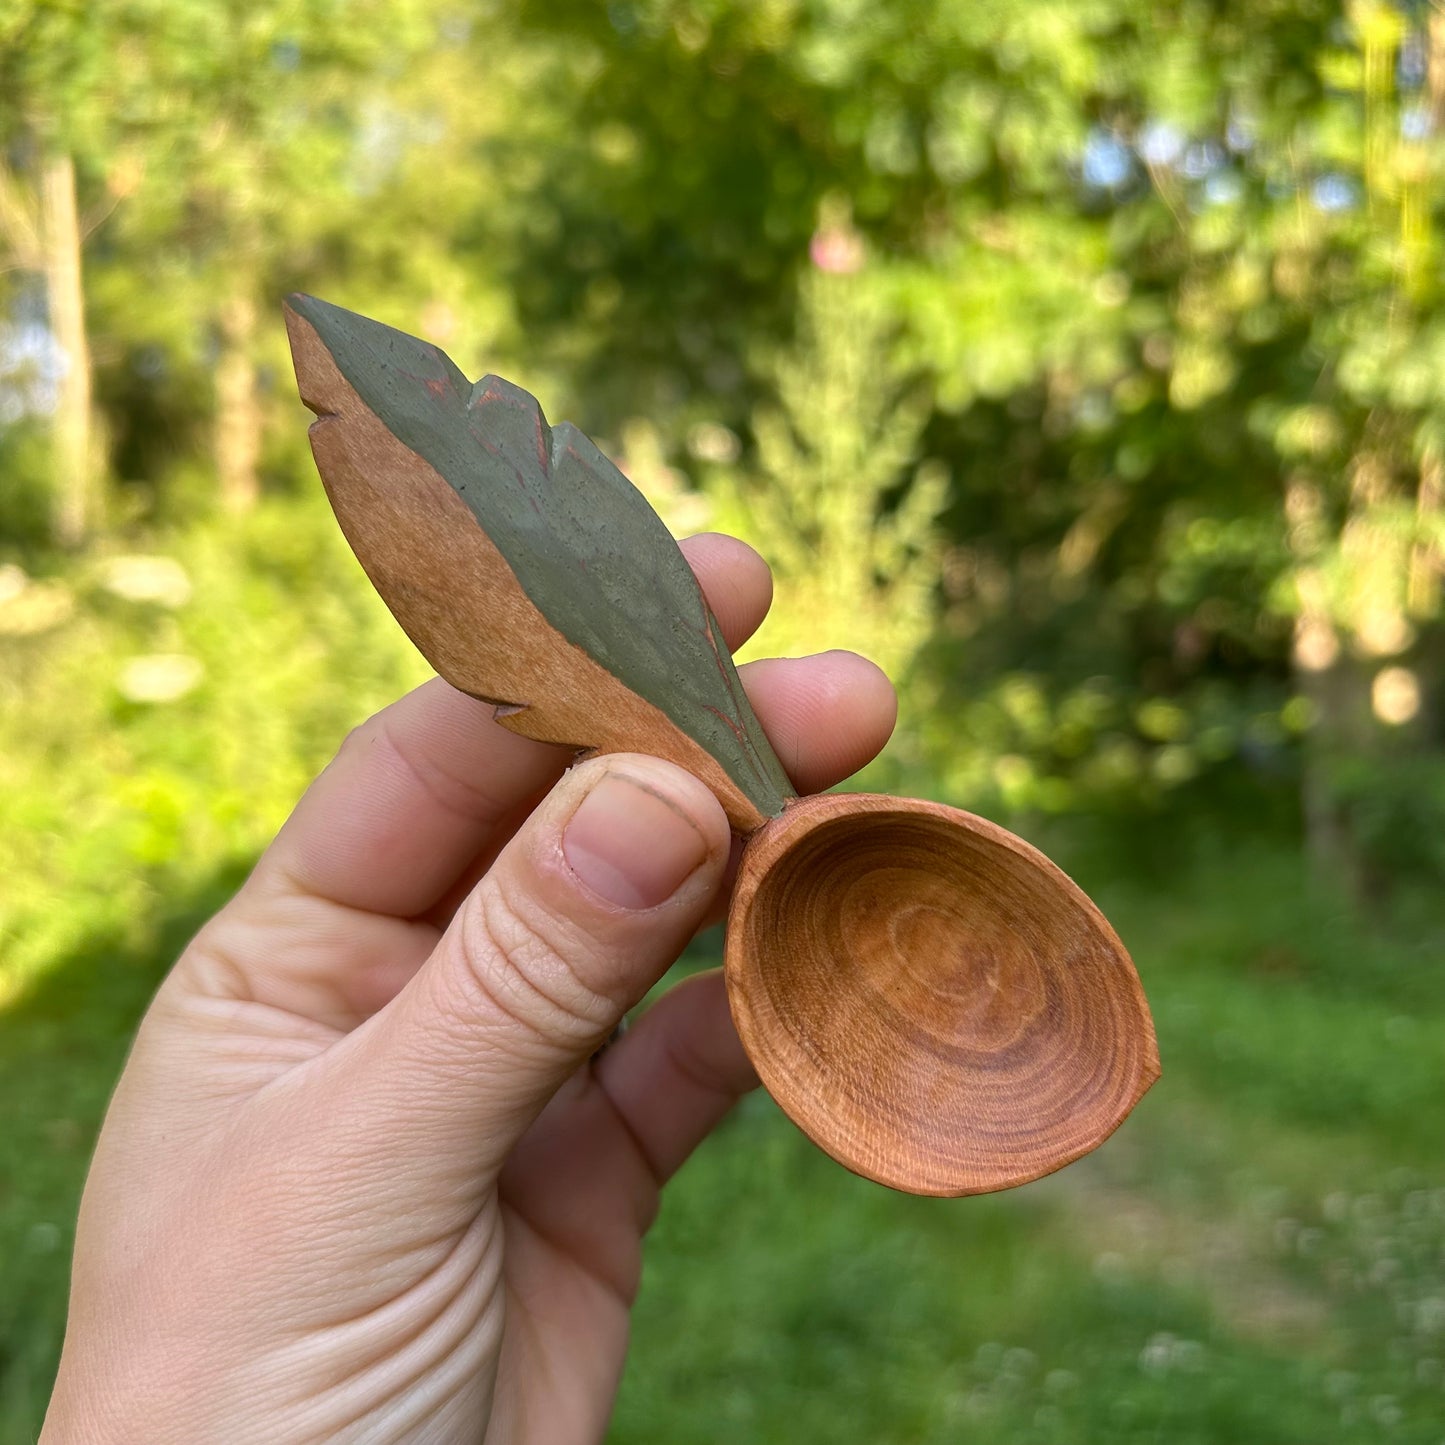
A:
(929, 998)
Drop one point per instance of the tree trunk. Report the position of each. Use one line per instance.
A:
(1330, 678)
(1426, 565)
(1339, 696)
(238, 408)
(75, 459)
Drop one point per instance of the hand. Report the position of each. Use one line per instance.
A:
(363, 1178)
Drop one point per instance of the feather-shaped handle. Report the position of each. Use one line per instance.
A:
(528, 570)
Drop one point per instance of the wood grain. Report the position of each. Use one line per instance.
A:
(929, 998)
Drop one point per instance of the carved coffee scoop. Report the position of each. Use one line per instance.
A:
(927, 996)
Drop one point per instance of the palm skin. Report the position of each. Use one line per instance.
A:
(366, 1177)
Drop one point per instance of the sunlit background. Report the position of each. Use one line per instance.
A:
(1081, 360)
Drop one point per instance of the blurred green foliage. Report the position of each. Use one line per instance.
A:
(1142, 299)
(1080, 358)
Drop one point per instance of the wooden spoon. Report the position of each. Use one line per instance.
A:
(928, 997)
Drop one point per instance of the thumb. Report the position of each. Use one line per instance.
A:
(582, 912)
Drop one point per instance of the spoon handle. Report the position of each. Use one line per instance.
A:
(526, 568)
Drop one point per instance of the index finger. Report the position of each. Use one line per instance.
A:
(418, 791)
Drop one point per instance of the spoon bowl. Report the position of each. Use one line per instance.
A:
(932, 1001)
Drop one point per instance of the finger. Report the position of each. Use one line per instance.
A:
(586, 1175)
(417, 792)
(414, 792)
(674, 1077)
(583, 911)
(825, 716)
(736, 579)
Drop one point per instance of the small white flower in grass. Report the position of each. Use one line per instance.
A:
(988, 1357)
(1340, 1383)
(12, 582)
(43, 1237)
(159, 677)
(1189, 1355)
(1161, 143)
(146, 579)
(1019, 1362)
(1111, 1267)
(1157, 1356)
(1386, 1411)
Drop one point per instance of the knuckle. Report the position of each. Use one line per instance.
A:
(451, 790)
(531, 966)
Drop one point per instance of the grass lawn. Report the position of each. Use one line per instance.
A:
(1257, 1256)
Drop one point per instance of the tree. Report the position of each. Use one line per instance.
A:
(1170, 275)
(838, 501)
(63, 114)
(272, 116)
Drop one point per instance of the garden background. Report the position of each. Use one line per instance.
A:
(1081, 360)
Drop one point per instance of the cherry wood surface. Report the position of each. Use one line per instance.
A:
(929, 998)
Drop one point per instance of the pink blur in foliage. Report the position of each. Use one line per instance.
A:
(836, 249)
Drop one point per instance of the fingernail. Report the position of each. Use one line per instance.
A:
(630, 844)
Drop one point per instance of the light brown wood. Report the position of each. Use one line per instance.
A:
(929, 998)
(426, 555)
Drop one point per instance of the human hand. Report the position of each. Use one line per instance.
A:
(364, 1177)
